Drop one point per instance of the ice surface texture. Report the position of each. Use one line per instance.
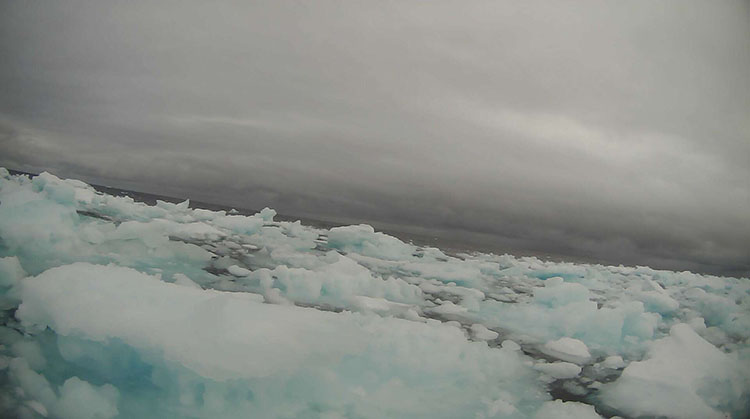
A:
(113, 308)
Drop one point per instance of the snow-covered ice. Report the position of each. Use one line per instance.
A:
(480, 332)
(559, 409)
(238, 271)
(559, 369)
(614, 362)
(567, 349)
(685, 368)
(114, 308)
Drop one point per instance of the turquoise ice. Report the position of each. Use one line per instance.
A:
(114, 308)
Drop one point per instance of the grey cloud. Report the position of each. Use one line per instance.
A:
(611, 131)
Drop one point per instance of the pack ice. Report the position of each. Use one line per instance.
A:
(114, 308)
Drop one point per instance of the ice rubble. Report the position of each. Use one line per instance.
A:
(559, 369)
(567, 349)
(111, 307)
(681, 367)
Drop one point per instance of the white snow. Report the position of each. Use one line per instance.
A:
(448, 307)
(558, 409)
(363, 239)
(37, 407)
(114, 307)
(481, 332)
(559, 370)
(185, 281)
(96, 303)
(239, 223)
(510, 345)
(613, 362)
(558, 293)
(198, 230)
(11, 271)
(81, 400)
(567, 349)
(238, 271)
(659, 302)
(77, 399)
(683, 368)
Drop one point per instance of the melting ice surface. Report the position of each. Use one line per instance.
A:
(113, 308)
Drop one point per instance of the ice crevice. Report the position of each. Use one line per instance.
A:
(114, 308)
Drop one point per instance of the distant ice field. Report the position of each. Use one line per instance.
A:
(115, 308)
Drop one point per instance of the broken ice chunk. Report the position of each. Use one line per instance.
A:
(703, 381)
(559, 370)
(447, 307)
(510, 345)
(567, 349)
(238, 271)
(613, 362)
(557, 293)
(482, 333)
(10, 271)
(659, 302)
(81, 400)
(267, 214)
(558, 409)
(185, 281)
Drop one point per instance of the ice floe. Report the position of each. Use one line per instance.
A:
(114, 308)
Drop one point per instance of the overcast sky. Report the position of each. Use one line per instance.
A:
(614, 131)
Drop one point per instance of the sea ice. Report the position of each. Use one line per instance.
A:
(97, 303)
(483, 333)
(613, 362)
(11, 271)
(567, 349)
(559, 409)
(448, 307)
(702, 381)
(238, 271)
(113, 307)
(559, 370)
(510, 345)
(363, 239)
(81, 400)
(184, 280)
(558, 293)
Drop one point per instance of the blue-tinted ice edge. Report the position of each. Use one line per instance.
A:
(113, 308)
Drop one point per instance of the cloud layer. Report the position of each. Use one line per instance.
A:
(611, 131)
